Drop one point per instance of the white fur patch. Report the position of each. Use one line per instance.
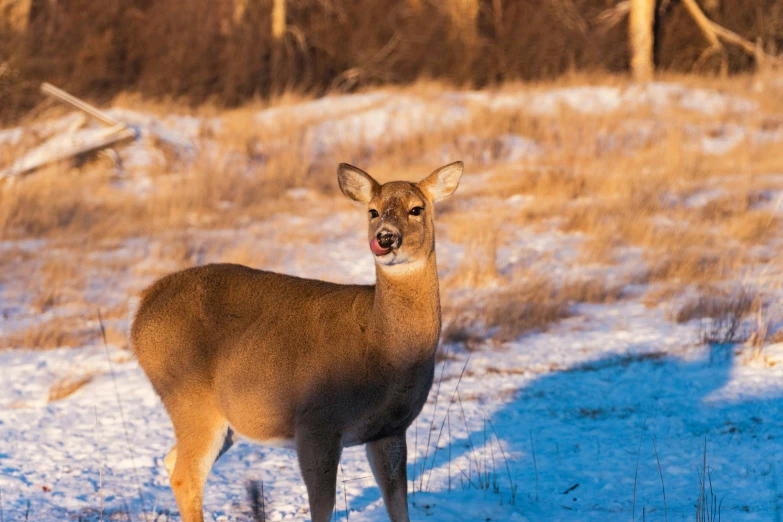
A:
(399, 269)
(214, 450)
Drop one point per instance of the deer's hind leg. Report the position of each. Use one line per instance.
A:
(203, 434)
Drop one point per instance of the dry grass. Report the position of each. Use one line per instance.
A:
(594, 291)
(504, 316)
(67, 386)
(55, 332)
(478, 267)
(532, 304)
(690, 218)
(197, 52)
(62, 332)
(722, 313)
(56, 283)
(714, 303)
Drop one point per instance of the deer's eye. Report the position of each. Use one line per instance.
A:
(416, 211)
(373, 213)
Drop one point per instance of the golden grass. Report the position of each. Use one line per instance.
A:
(691, 218)
(530, 305)
(56, 282)
(67, 386)
(56, 332)
(478, 267)
(714, 303)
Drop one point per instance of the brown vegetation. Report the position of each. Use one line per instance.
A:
(530, 304)
(686, 218)
(67, 386)
(56, 332)
(205, 50)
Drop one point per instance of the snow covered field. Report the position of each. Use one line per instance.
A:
(605, 414)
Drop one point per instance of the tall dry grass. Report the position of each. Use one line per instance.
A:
(689, 219)
(200, 50)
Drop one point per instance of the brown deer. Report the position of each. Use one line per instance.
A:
(318, 366)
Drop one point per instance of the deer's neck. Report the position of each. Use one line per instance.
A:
(405, 320)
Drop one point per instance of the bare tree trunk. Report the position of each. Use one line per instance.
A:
(240, 6)
(278, 19)
(642, 20)
(16, 13)
(464, 14)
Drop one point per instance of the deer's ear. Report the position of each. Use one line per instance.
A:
(443, 182)
(356, 184)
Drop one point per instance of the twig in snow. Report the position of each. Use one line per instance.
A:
(494, 465)
(663, 487)
(122, 416)
(448, 423)
(708, 509)
(466, 476)
(636, 474)
(432, 421)
(100, 462)
(155, 508)
(484, 467)
(775, 492)
(508, 468)
(470, 441)
(345, 495)
(415, 450)
(257, 503)
(569, 490)
(443, 424)
(535, 466)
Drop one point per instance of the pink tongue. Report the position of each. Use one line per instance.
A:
(377, 249)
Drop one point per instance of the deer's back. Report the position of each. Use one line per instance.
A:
(226, 317)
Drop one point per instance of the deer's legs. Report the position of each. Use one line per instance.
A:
(319, 457)
(201, 435)
(389, 459)
(171, 457)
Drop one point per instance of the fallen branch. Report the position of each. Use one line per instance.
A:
(715, 33)
(40, 157)
(51, 90)
(62, 148)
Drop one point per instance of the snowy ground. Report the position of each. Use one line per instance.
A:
(590, 420)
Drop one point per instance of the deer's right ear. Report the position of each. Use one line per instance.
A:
(356, 184)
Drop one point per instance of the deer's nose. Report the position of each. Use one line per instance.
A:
(388, 239)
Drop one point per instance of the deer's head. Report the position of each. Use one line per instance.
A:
(400, 213)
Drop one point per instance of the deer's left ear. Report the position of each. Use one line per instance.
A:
(356, 184)
(443, 182)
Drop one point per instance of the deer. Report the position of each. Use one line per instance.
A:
(306, 364)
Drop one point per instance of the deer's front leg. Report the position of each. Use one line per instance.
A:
(389, 459)
(319, 457)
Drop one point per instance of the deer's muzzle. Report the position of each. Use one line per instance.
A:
(384, 241)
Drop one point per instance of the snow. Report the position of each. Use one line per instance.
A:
(601, 99)
(11, 136)
(590, 396)
(583, 393)
(384, 118)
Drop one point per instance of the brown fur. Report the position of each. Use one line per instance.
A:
(271, 356)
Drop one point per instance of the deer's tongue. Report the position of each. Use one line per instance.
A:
(377, 249)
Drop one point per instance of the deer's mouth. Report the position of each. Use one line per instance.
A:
(377, 249)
